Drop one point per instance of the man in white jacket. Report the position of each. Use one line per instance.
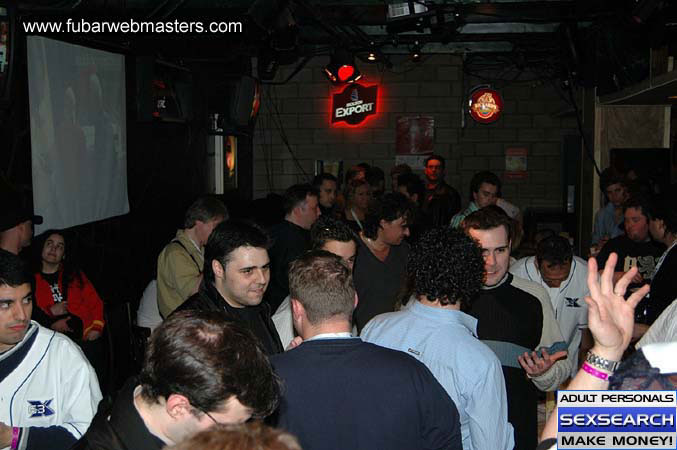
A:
(49, 391)
(564, 276)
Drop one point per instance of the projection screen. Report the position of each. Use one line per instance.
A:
(78, 133)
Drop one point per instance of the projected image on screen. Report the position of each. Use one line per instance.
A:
(78, 135)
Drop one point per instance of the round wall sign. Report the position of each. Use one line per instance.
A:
(486, 105)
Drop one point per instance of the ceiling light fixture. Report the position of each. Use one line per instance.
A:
(416, 52)
(371, 56)
(342, 68)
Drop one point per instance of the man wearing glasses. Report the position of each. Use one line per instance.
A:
(200, 370)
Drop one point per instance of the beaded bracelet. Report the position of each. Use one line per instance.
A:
(15, 437)
(594, 372)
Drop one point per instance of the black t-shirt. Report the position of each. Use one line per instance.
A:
(289, 242)
(378, 282)
(53, 280)
(663, 290)
(644, 255)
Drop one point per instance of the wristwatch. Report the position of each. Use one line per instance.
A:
(601, 363)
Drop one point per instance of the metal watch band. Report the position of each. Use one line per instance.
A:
(601, 363)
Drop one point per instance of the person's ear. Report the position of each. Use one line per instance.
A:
(357, 300)
(218, 269)
(177, 406)
(297, 309)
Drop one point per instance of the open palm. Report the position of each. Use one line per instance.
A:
(611, 317)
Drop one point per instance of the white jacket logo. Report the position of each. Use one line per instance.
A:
(40, 409)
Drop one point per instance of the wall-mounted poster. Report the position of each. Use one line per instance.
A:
(515, 163)
(415, 135)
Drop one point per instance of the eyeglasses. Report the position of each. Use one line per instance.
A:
(211, 417)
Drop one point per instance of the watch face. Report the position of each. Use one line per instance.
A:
(602, 363)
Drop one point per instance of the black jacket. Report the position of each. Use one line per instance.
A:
(289, 242)
(255, 318)
(119, 426)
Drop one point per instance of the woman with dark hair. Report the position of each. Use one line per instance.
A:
(64, 293)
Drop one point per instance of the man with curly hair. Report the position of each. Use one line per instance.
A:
(382, 256)
(447, 271)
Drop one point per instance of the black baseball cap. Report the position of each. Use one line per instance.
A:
(12, 214)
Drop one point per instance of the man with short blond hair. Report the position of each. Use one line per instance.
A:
(342, 393)
(327, 234)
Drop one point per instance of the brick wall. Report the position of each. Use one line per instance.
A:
(435, 87)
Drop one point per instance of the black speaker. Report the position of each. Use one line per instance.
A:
(163, 91)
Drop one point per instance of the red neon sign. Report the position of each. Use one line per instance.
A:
(486, 105)
(354, 104)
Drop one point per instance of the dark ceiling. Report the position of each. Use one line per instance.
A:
(587, 38)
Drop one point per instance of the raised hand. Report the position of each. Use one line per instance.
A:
(610, 316)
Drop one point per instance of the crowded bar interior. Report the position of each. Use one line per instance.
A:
(350, 192)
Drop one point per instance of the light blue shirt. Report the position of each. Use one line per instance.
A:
(605, 224)
(458, 218)
(446, 342)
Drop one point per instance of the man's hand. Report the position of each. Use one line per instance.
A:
(610, 316)
(294, 343)
(59, 309)
(92, 335)
(5, 435)
(61, 325)
(536, 366)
